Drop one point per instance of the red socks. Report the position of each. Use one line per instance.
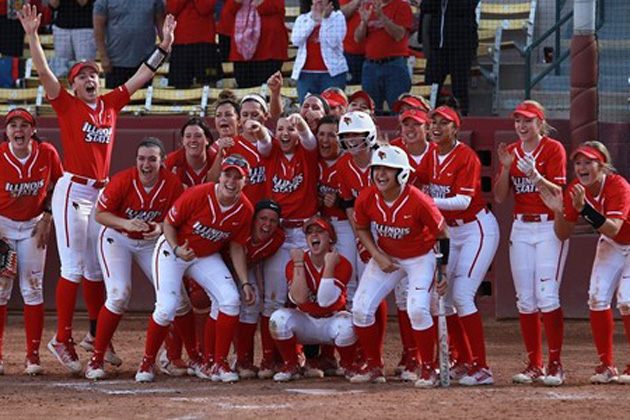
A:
(185, 326)
(268, 345)
(532, 336)
(66, 298)
(347, 355)
(456, 333)
(288, 350)
(106, 326)
(381, 322)
(34, 325)
(327, 351)
(602, 326)
(406, 335)
(209, 340)
(155, 337)
(554, 329)
(173, 344)
(473, 328)
(245, 343)
(3, 322)
(225, 330)
(369, 338)
(425, 340)
(94, 296)
(626, 326)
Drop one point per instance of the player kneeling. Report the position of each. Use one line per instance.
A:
(317, 285)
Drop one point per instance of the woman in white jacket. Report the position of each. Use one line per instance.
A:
(319, 35)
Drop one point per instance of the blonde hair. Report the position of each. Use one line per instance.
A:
(599, 146)
(546, 129)
(425, 102)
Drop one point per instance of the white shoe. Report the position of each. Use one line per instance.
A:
(604, 375)
(428, 377)
(95, 370)
(530, 375)
(32, 365)
(555, 375)
(111, 357)
(365, 375)
(175, 367)
(221, 372)
(477, 376)
(312, 370)
(458, 371)
(287, 373)
(624, 378)
(146, 372)
(65, 353)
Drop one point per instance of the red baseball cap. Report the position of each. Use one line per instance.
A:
(362, 94)
(448, 113)
(529, 110)
(591, 153)
(334, 98)
(322, 223)
(76, 69)
(414, 114)
(19, 113)
(237, 162)
(410, 101)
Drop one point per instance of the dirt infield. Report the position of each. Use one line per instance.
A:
(58, 395)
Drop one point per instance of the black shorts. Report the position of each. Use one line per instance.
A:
(194, 64)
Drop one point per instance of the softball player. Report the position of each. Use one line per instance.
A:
(28, 172)
(313, 109)
(537, 256)
(337, 101)
(602, 198)
(131, 210)
(361, 101)
(407, 223)
(317, 286)
(87, 122)
(454, 172)
(201, 222)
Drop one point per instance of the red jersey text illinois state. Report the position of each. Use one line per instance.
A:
(255, 189)
(87, 135)
(176, 163)
(199, 218)
(125, 197)
(293, 182)
(343, 273)
(551, 160)
(24, 185)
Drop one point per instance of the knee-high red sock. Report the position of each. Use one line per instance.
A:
(554, 329)
(626, 326)
(66, 299)
(225, 330)
(406, 335)
(173, 344)
(268, 345)
(3, 322)
(200, 327)
(602, 326)
(456, 333)
(425, 340)
(287, 349)
(347, 355)
(532, 336)
(369, 339)
(185, 326)
(327, 351)
(473, 328)
(209, 340)
(106, 326)
(155, 337)
(33, 325)
(94, 296)
(245, 343)
(381, 322)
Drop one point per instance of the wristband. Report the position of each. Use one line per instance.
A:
(592, 216)
(444, 246)
(48, 210)
(156, 59)
(175, 250)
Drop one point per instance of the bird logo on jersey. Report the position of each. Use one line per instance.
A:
(23, 189)
(382, 155)
(95, 134)
(209, 233)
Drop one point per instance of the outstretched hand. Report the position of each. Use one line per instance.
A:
(30, 19)
(168, 32)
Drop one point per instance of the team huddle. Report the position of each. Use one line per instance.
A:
(304, 232)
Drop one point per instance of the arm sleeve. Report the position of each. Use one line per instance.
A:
(468, 175)
(459, 202)
(180, 210)
(302, 29)
(328, 292)
(100, 8)
(617, 204)
(111, 198)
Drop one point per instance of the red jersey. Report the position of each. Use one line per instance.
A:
(613, 202)
(458, 173)
(262, 251)
(378, 43)
(126, 197)
(352, 179)
(551, 163)
(195, 21)
(87, 135)
(351, 46)
(314, 60)
(256, 188)
(199, 218)
(329, 184)
(293, 183)
(418, 163)
(343, 273)
(176, 163)
(23, 186)
(407, 228)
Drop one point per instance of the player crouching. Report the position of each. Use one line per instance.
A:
(317, 285)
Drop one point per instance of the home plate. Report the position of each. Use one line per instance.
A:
(319, 391)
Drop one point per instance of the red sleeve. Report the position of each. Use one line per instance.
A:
(403, 16)
(361, 217)
(343, 272)
(56, 171)
(113, 195)
(271, 7)
(180, 211)
(62, 104)
(468, 175)
(289, 271)
(617, 204)
(429, 213)
(244, 230)
(118, 97)
(556, 170)
(570, 213)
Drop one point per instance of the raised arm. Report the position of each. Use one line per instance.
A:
(30, 20)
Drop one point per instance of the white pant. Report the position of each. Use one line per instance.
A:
(611, 271)
(337, 329)
(537, 260)
(375, 285)
(347, 246)
(209, 272)
(73, 206)
(72, 45)
(472, 250)
(19, 235)
(274, 271)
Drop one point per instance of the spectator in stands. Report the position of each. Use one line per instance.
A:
(225, 27)
(353, 50)
(194, 58)
(385, 26)
(260, 41)
(11, 31)
(453, 44)
(124, 32)
(318, 33)
(73, 34)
